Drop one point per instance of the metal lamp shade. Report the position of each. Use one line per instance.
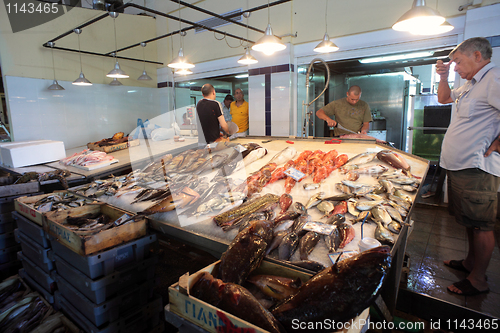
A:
(144, 77)
(426, 31)
(247, 59)
(180, 62)
(268, 44)
(82, 81)
(183, 71)
(117, 72)
(326, 45)
(55, 86)
(419, 16)
(115, 83)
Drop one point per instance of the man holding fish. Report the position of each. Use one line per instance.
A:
(210, 116)
(471, 155)
(352, 115)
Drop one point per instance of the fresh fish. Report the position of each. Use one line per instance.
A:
(288, 246)
(388, 186)
(362, 158)
(165, 205)
(343, 188)
(215, 162)
(352, 175)
(311, 186)
(283, 226)
(339, 197)
(235, 300)
(382, 234)
(307, 244)
(245, 221)
(336, 219)
(374, 197)
(315, 199)
(245, 252)
(276, 241)
(326, 207)
(325, 296)
(340, 208)
(252, 205)
(289, 215)
(401, 210)
(394, 227)
(393, 212)
(372, 170)
(285, 201)
(46, 207)
(408, 188)
(395, 160)
(363, 190)
(368, 205)
(251, 157)
(364, 214)
(404, 196)
(347, 233)
(196, 166)
(298, 226)
(308, 264)
(404, 181)
(299, 208)
(351, 207)
(277, 287)
(352, 184)
(400, 201)
(333, 240)
(285, 155)
(379, 213)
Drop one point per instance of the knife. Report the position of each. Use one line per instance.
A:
(345, 129)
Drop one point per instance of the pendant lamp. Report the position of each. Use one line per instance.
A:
(81, 81)
(55, 85)
(326, 46)
(116, 72)
(268, 44)
(180, 61)
(418, 17)
(183, 71)
(426, 30)
(115, 83)
(144, 76)
(247, 58)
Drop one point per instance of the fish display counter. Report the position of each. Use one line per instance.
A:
(324, 198)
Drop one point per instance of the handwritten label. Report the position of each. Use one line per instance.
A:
(295, 174)
(60, 232)
(26, 210)
(320, 228)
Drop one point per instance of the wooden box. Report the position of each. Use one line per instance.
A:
(109, 149)
(23, 206)
(53, 224)
(19, 189)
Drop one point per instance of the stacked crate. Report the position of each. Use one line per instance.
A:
(37, 266)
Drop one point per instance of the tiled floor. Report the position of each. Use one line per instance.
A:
(437, 237)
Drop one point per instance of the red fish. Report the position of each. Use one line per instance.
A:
(347, 234)
(341, 208)
(285, 202)
(341, 160)
(320, 174)
(330, 156)
(289, 184)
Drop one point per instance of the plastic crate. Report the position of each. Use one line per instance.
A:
(7, 223)
(35, 252)
(7, 240)
(102, 289)
(106, 262)
(35, 286)
(109, 311)
(32, 230)
(9, 254)
(37, 274)
(144, 319)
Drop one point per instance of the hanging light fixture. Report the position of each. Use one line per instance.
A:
(426, 30)
(144, 76)
(81, 81)
(247, 58)
(116, 72)
(180, 61)
(326, 46)
(115, 83)
(183, 71)
(55, 85)
(419, 17)
(268, 44)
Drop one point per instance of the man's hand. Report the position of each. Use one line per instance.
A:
(443, 70)
(331, 122)
(495, 146)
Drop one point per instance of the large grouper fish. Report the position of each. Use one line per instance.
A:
(235, 300)
(338, 293)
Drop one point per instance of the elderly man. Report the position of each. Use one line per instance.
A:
(350, 112)
(210, 116)
(470, 154)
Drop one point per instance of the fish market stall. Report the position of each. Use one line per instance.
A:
(336, 194)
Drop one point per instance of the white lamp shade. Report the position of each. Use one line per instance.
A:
(180, 61)
(426, 31)
(326, 45)
(418, 16)
(268, 44)
(183, 71)
(82, 81)
(247, 59)
(117, 72)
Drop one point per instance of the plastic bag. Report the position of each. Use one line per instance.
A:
(161, 134)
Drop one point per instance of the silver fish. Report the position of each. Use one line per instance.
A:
(362, 216)
(401, 210)
(283, 156)
(253, 156)
(351, 207)
(283, 226)
(353, 184)
(372, 196)
(343, 188)
(310, 186)
(380, 214)
(278, 238)
(403, 196)
(400, 201)
(326, 207)
(298, 226)
(363, 190)
(372, 169)
(382, 234)
(388, 186)
(368, 205)
(394, 227)
(362, 158)
(315, 199)
(394, 213)
(408, 188)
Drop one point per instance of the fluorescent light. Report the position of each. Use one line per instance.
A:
(241, 76)
(397, 57)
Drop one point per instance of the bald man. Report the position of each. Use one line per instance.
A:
(351, 112)
(210, 116)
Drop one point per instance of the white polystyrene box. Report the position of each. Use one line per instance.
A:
(20, 154)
